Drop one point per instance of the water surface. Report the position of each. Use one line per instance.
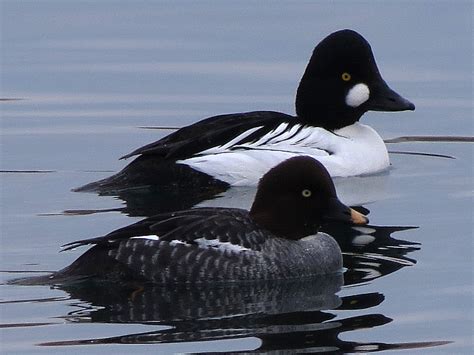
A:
(89, 75)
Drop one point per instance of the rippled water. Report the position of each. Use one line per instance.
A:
(85, 81)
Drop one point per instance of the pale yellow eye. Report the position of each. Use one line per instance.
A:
(346, 76)
(306, 193)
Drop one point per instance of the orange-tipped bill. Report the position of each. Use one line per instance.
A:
(337, 211)
(358, 218)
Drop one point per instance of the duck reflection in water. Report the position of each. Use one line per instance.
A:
(282, 315)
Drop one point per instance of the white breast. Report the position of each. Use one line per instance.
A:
(349, 151)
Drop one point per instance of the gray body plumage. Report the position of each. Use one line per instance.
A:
(277, 258)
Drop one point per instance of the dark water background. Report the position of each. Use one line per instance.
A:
(90, 74)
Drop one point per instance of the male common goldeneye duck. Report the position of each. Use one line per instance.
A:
(277, 239)
(340, 84)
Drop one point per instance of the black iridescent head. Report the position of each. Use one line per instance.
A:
(296, 196)
(342, 82)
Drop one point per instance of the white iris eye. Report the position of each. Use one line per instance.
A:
(306, 193)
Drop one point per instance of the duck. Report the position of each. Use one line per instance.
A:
(277, 239)
(341, 82)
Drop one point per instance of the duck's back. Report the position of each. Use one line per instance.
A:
(203, 246)
(156, 163)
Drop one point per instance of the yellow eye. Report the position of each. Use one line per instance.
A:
(346, 76)
(306, 193)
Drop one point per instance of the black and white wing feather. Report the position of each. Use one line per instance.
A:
(212, 132)
(190, 246)
(212, 227)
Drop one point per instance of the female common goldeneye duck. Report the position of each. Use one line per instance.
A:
(340, 84)
(277, 239)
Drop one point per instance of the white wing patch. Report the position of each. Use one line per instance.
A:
(222, 246)
(201, 243)
(352, 150)
(148, 237)
(172, 243)
(175, 242)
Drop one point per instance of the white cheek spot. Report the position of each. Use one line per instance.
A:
(149, 237)
(357, 95)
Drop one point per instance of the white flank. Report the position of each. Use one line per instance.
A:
(357, 95)
(353, 150)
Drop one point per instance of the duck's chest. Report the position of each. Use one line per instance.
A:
(357, 150)
(315, 254)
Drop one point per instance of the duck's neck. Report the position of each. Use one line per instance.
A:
(315, 107)
(275, 223)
